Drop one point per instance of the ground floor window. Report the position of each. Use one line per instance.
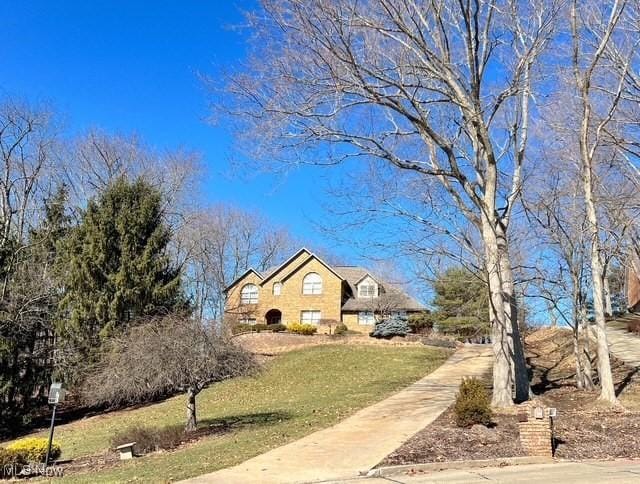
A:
(366, 318)
(310, 317)
(248, 320)
(399, 314)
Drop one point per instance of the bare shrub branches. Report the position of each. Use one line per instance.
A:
(161, 357)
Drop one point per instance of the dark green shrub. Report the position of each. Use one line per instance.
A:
(421, 323)
(259, 327)
(241, 328)
(149, 439)
(390, 327)
(473, 405)
(276, 328)
(340, 329)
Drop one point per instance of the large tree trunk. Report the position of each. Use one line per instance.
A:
(608, 308)
(587, 370)
(520, 376)
(576, 305)
(607, 391)
(502, 375)
(191, 424)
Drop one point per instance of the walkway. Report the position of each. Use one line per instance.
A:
(624, 345)
(359, 442)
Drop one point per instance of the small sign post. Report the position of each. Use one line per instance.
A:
(56, 395)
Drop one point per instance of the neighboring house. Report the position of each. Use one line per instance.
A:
(306, 289)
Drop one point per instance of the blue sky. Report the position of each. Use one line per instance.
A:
(132, 67)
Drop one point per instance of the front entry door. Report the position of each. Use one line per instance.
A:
(273, 316)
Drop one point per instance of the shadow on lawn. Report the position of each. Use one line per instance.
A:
(232, 423)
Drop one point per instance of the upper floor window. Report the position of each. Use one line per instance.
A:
(367, 290)
(277, 288)
(312, 284)
(249, 294)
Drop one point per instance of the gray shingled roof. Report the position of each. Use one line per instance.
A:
(352, 274)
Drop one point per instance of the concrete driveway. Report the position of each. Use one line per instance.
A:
(361, 441)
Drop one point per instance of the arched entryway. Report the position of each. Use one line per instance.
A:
(273, 316)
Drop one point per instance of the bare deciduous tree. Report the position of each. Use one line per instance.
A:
(27, 291)
(556, 208)
(163, 356)
(441, 89)
(96, 159)
(220, 243)
(598, 36)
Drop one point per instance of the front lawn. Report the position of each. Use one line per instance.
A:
(296, 394)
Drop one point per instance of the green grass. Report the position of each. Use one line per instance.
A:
(297, 393)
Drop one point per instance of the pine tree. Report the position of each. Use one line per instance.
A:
(116, 267)
(461, 302)
(30, 299)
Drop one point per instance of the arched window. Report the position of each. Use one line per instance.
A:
(277, 288)
(249, 294)
(312, 284)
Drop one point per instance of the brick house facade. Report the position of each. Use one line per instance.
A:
(306, 289)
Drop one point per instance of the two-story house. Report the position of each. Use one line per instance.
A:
(306, 289)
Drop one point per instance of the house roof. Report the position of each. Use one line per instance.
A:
(238, 279)
(272, 271)
(313, 256)
(352, 275)
(364, 277)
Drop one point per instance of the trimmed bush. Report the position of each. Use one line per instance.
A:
(420, 323)
(34, 449)
(473, 405)
(241, 328)
(302, 328)
(340, 329)
(390, 327)
(149, 439)
(257, 328)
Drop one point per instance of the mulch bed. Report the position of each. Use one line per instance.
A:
(583, 429)
(443, 441)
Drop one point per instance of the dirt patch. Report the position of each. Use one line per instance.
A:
(584, 429)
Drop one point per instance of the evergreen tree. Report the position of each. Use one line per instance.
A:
(116, 267)
(461, 302)
(30, 297)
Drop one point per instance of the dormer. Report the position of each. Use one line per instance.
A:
(367, 287)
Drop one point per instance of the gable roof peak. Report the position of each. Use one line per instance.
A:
(239, 278)
(367, 274)
(285, 263)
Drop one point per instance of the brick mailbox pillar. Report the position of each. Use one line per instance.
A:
(536, 430)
